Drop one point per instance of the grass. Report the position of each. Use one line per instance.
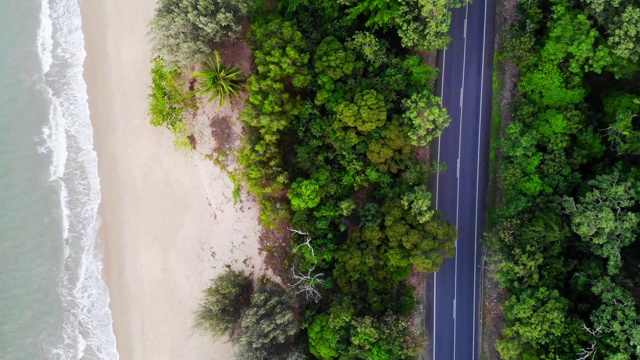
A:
(496, 125)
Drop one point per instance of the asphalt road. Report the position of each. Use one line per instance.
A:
(453, 314)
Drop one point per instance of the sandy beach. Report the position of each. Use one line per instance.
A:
(169, 222)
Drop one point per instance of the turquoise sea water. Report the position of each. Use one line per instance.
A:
(53, 301)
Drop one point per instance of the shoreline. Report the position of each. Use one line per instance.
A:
(163, 213)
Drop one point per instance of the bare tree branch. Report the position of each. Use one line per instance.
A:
(307, 243)
(307, 283)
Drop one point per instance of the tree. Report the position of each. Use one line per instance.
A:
(183, 30)
(370, 47)
(366, 113)
(539, 326)
(547, 85)
(217, 80)
(615, 322)
(268, 323)
(425, 116)
(622, 113)
(223, 302)
(304, 194)
(332, 60)
(603, 218)
(424, 24)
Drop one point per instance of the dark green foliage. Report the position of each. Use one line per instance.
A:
(566, 238)
(184, 30)
(603, 220)
(267, 324)
(343, 334)
(224, 302)
(219, 81)
(335, 111)
(539, 326)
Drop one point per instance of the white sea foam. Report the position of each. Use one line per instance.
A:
(45, 40)
(87, 329)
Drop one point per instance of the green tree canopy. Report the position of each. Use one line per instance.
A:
(425, 116)
(268, 323)
(304, 194)
(367, 112)
(603, 219)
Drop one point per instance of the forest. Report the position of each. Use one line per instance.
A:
(339, 115)
(566, 233)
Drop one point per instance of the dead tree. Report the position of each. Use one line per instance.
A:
(306, 243)
(307, 283)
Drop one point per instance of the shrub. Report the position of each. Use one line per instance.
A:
(224, 301)
(184, 30)
(219, 81)
(268, 323)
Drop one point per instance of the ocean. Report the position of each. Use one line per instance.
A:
(53, 299)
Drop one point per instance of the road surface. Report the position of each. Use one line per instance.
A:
(453, 309)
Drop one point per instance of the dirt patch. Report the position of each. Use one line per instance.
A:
(507, 75)
(276, 247)
(236, 52)
(493, 315)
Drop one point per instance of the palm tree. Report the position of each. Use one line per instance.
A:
(219, 81)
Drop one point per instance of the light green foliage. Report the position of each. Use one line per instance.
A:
(573, 37)
(169, 100)
(369, 46)
(418, 203)
(548, 86)
(219, 81)
(342, 334)
(379, 12)
(268, 323)
(304, 194)
(622, 111)
(539, 326)
(425, 115)
(183, 30)
(223, 302)
(367, 112)
(328, 330)
(281, 59)
(424, 24)
(603, 219)
(615, 322)
(332, 60)
(620, 20)
(566, 236)
(385, 251)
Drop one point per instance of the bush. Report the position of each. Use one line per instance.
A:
(169, 100)
(224, 301)
(268, 323)
(184, 30)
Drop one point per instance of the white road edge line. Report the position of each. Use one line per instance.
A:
(435, 274)
(475, 244)
(455, 277)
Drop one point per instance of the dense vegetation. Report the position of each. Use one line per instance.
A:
(337, 109)
(567, 231)
(261, 321)
(185, 30)
(339, 112)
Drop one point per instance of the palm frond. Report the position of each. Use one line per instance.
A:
(219, 81)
